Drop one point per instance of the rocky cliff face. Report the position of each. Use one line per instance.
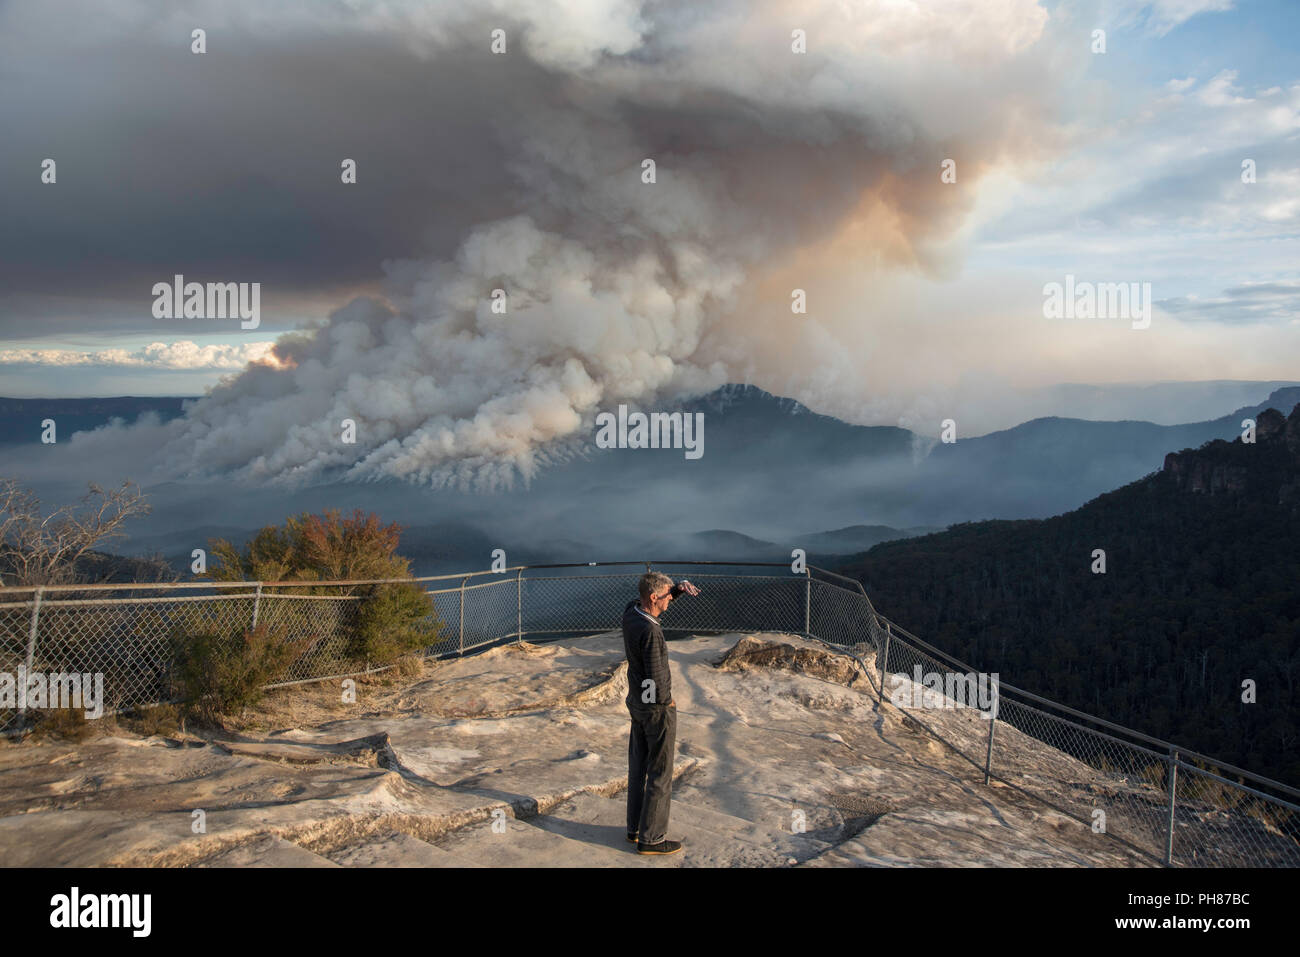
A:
(1199, 475)
(1268, 469)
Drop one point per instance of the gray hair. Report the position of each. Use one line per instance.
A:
(652, 582)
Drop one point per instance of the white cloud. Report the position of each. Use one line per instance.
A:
(1161, 16)
(1251, 302)
(1221, 91)
(1171, 165)
(184, 354)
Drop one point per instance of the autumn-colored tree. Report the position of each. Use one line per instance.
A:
(392, 619)
(328, 547)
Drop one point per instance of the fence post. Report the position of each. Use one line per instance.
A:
(462, 615)
(988, 757)
(257, 604)
(807, 603)
(884, 660)
(1173, 794)
(31, 643)
(519, 607)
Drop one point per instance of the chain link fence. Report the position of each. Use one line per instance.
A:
(1169, 803)
(1174, 805)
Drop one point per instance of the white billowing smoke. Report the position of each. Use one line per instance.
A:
(620, 290)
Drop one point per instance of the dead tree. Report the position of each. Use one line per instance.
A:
(38, 549)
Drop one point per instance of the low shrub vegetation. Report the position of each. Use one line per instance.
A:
(392, 619)
(222, 672)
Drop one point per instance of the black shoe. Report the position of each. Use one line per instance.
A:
(663, 847)
(631, 837)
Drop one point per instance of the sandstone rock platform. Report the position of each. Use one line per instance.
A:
(518, 757)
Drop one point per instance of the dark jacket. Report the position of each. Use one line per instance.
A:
(647, 657)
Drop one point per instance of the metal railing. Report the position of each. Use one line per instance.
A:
(1167, 802)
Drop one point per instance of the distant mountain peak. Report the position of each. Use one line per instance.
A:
(743, 394)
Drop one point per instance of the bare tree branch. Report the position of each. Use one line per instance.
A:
(44, 550)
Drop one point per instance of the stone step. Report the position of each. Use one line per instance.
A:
(396, 849)
(267, 851)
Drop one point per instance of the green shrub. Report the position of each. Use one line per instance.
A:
(223, 672)
(392, 621)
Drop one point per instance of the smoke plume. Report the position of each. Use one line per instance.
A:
(617, 290)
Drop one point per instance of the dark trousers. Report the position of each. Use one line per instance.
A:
(650, 770)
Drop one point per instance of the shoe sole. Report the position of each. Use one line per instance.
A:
(652, 853)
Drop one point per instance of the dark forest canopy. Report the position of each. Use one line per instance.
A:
(1201, 591)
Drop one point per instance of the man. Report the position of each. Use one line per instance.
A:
(654, 714)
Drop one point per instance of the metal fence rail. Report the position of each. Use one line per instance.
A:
(1172, 804)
